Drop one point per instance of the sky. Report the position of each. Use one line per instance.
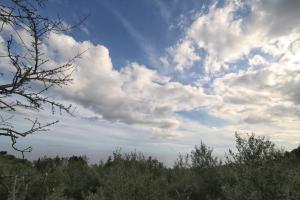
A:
(160, 76)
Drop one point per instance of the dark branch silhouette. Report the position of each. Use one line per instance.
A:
(30, 74)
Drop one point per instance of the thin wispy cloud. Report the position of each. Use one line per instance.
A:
(138, 37)
(164, 10)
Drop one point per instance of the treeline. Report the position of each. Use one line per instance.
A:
(255, 170)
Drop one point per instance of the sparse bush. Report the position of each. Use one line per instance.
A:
(255, 170)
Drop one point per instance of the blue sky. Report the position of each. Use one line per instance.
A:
(126, 28)
(160, 76)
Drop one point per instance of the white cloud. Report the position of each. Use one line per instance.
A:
(184, 54)
(257, 60)
(226, 35)
(264, 97)
(134, 95)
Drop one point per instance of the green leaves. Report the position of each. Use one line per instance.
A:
(255, 170)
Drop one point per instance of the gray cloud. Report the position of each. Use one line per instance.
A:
(280, 17)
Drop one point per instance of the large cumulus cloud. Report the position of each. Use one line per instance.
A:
(133, 95)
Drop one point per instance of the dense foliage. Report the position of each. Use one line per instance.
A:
(256, 170)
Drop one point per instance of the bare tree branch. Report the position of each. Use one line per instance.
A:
(32, 75)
